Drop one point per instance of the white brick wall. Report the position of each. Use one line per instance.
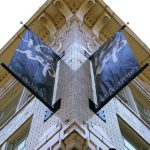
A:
(74, 89)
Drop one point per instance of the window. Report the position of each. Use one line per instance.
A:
(142, 104)
(20, 144)
(123, 95)
(131, 139)
(13, 104)
(136, 101)
(9, 109)
(26, 95)
(128, 145)
(126, 95)
(144, 112)
(18, 140)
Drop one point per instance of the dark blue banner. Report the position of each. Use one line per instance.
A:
(113, 64)
(34, 63)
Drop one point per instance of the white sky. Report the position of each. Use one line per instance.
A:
(136, 12)
(12, 12)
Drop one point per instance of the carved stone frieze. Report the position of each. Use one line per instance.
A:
(84, 8)
(47, 23)
(63, 8)
(74, 140)
(101, 22)
(74, 5)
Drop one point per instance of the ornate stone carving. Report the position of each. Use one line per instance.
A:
(101, 22)
(47, 23)
(63, 8)
(74, 140)
(74, 5)
(84, 9)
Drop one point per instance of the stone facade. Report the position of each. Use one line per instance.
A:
(74, 125)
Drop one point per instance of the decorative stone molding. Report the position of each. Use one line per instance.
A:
(74, 141)
(47, 23)
(63, 8)
(101, 22)
(102, 37)
(85, 7)
(73, 136)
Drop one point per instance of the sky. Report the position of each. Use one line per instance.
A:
(136, 12)
(12, 12)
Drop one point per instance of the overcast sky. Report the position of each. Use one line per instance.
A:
(136, 12)
(12, 12)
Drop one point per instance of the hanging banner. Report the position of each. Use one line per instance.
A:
(113, 65)
(34, 65)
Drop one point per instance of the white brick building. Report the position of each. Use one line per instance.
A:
(75, 26)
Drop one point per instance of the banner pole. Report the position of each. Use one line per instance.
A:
(25, 26)
(56, 105)
(96, 108)
(123, 27)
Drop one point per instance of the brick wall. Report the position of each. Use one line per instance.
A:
(74, 86)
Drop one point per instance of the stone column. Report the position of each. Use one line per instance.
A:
(74, 85)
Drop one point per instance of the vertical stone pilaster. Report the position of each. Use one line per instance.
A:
(75, 75)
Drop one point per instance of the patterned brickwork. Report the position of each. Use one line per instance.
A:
(74, 86)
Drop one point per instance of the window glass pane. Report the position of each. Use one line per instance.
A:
(20, 143)
(144, 112)
(9, 110)
(128, 145)
(121, 94)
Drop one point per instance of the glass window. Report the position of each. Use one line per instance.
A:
(21, 143)
(128, 146)
(26, 95)
(142, 104)
(122, 94)
(131, 140)
(18, 144)
(137, 102)
(127, 96)
(9, 110)
(144, 112)
(18, 141)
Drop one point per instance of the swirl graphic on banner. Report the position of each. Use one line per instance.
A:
(35, 64)
(113, 64)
